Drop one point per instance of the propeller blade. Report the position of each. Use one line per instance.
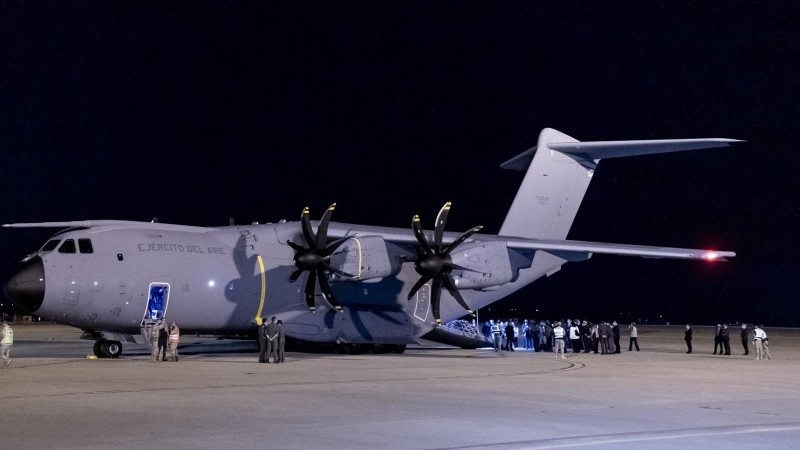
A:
(441, 219)
(436, 297)
(450, 265)
(334, 245)
(311, 285)
(337, 271)
(417, 286)
(305, 224)
(296, 247)
(322, 230)
(459, 240)
(450, 284)
(295, 275)
(417, 227)
(327, 294)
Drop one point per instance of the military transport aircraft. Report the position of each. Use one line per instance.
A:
(331, 282)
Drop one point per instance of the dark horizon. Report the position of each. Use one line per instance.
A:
(198, 113)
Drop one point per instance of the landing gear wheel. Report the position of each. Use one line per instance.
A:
(111, 349)
(353, 349)
(98, 348)
(399, 348)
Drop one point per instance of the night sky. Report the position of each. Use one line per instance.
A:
(195, 112)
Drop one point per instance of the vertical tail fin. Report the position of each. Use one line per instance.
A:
(559, 171)
(553, 188)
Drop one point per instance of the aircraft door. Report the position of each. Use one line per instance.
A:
(157, 299)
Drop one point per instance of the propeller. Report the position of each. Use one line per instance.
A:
(315, 259)
(435, 263)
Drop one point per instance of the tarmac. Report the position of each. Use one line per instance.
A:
(431, 397)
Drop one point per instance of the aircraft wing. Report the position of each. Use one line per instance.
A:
(569, 250)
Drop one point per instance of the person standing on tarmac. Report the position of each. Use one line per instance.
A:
(687, 336)
(615, 330)
(163, 338)
(172, 342)
(509, 337)
(262, 341)
(6, 341)
(575, 337)
(272, 340)
(726, 338)
(154, 332)
(281, 341)
(745, 338)
(605, 338)
(634, 337)
(758, 342)
(718, 339)
(558, 337)
(496, 335)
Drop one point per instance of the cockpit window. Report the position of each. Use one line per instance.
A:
(85, 246)
(67, 247)
(51, 245)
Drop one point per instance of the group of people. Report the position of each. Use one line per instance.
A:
(557, 336)
(162, 340)
(271, 341)
(722, 340)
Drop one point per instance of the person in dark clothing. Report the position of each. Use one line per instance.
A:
(718, 339)
(510, 337)
(163, 337)
(745, 337)
(548, 333)
(615, 329)
(587, 336)
(687, 336)
(726, 339)
(262, 341)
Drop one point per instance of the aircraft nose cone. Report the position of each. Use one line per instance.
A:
(26, 288)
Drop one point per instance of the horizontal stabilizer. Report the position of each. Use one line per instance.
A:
(619, 149)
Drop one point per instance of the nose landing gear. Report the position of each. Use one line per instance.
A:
(104, 348)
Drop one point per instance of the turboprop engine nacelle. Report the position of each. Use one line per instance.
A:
(489, 259)
(363, 256)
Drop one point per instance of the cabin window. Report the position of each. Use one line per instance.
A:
(67, 247)
(85, 245)
(51, 245)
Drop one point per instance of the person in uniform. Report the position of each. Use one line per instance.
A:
(172, 342)
(634, 337)
(558, 336)
(281, 341)
(726, 338)
(154, 331)
(6, 341)
(262, 341)
(496, 335)
(272, 340)
(687, 336)
(587, 336)
(745, 339)
(163, 338)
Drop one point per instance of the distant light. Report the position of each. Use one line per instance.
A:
(211, 283)
(711, 255)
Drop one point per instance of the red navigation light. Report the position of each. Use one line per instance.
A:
(711, 255)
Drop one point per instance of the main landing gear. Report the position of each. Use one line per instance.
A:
(104, 348)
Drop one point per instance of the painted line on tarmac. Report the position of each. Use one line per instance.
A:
(623, 438)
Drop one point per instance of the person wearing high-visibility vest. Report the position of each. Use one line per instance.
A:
(558, 334)
(496, 335)
(172, 342)
(6, 341)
